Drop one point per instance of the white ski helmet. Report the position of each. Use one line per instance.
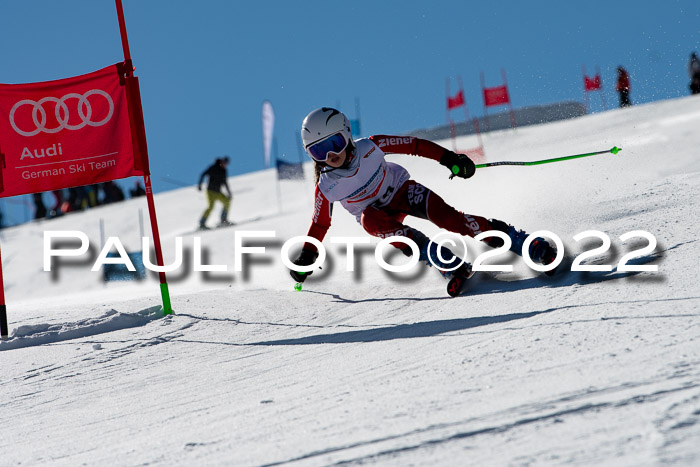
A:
(321, 124)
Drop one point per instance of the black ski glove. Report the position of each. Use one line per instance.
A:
(305, 258)
(459, 164)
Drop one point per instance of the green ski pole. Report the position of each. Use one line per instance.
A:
(614, 150)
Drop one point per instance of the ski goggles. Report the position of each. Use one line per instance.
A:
(320, 150)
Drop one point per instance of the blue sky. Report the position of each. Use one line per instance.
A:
(205, 67)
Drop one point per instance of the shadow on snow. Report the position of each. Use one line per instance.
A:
(483, 286)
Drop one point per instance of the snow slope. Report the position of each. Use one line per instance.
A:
(361, 368)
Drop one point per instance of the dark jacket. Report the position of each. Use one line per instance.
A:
(217, 178)
(694, 67)
(623, 81)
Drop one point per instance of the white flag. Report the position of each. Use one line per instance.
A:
(268, 127)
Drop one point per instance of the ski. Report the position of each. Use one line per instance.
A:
(457, 283)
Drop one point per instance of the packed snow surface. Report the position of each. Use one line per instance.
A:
(367, 368)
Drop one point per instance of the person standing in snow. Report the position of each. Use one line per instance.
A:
(56, 210)
(623, 87)
(694, 72)
(40, 210)
(217, 178)
(138, 190)
(381, 194)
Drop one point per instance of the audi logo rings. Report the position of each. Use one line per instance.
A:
(84, 112)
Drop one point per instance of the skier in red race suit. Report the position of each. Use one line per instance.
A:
(381, 194)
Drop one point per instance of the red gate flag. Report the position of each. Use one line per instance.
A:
(65, 133)
(592, 84)
(496, 96)
(456, 101)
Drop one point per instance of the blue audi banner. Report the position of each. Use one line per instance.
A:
(65, 133)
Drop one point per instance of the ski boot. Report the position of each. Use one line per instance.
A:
(540, 250)
(457, 277)
(224, 219)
